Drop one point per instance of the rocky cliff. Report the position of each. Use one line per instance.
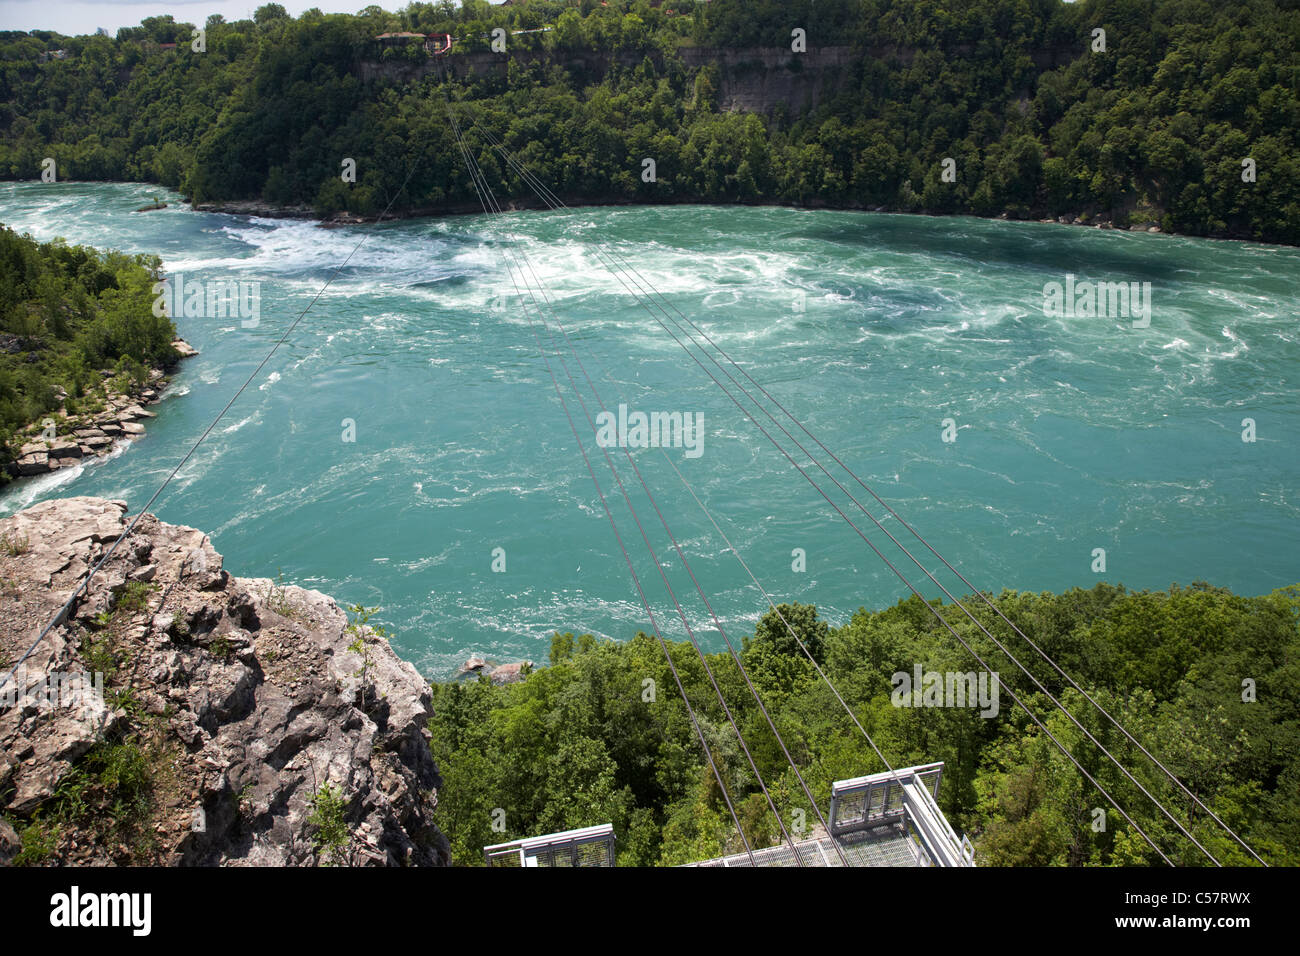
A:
(184, 716)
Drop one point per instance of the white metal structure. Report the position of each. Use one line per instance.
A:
(590, 846)
(886, 819)
(907, 796)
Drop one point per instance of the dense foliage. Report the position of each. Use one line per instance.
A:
(1154, 129)
(578, 743)
(68, 315)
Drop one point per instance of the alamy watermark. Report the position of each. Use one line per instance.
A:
(652, 430)
(946, 689)
(57, 688)
(1116, 300)
(74, 909)
(215, 299)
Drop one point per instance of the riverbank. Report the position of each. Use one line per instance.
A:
(64, 439)
(1149, 223)
(184, 716)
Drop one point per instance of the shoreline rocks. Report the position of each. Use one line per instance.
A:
(510, 673)
(97, 434)
(265, 210)
(247, 700)
(500, 674)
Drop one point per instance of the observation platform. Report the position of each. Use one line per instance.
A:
(885, 819)
(590, 846)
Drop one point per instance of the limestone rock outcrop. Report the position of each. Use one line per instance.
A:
(250, 700)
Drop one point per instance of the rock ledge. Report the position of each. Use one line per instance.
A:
(247, 700)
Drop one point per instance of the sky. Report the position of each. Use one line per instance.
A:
(74, 17)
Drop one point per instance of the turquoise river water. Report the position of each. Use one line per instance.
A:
(1072, 433)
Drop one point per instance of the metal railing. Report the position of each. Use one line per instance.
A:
(590, 846)
(886, 819)
(867, 801)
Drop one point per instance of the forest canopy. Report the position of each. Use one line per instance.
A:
(1156, 128)
(580, 742)
(69, 317)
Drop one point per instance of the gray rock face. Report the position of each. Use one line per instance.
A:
(475, 664)
(510, 673)
(259, 700)
(64, 449)
(36, 463)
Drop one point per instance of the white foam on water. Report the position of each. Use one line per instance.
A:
(231, 429)
(408, 327)
(32, 490)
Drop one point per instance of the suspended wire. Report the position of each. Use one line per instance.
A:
(550, 198)
(681, 613)
(732, 548)
(979, 624)
(950, 595)
(685, 562)
(475, 174)
(717, 689)
(514, 163)
(681, 555)
(67, 605)
(892, 567)
(540, 188)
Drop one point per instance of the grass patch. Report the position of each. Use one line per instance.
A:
(39, 839)
(220, 647)
(330, 836)
(100, 655)
(135, 597)
(108, 794)
(14, 543)
(277, 596)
